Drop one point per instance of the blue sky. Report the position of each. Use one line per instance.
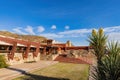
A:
(61, 20)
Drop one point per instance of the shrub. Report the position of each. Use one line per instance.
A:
(3, 61)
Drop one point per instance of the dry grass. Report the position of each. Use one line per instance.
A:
(60, 71)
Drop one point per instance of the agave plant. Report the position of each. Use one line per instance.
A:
(109, 67)
(98, 41)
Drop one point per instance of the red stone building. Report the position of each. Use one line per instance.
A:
(13, 48)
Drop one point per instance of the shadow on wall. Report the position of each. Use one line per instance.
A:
(33, 76)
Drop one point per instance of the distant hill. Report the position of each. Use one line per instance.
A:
(24, 37)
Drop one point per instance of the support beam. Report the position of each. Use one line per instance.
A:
(10, 40)
(12, 52)
(25, 55)
(44, 51)
(35, 54)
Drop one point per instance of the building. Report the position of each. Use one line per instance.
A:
(20, 51)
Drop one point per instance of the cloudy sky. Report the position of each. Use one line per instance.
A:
(61, 20)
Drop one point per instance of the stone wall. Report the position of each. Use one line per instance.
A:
(18, 58)
(82, 54)
(77, 53)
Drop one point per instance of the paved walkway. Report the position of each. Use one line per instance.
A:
(16, 70)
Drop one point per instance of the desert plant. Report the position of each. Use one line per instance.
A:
(108, 65)
(98, 41)
(109, 69)
(2, 61)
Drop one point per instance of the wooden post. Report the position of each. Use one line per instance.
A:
(44, 51)
(36, 52)
(12, 52)
(26, 52)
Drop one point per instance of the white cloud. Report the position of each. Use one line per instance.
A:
(77, 31)
(29, 29)
(52, 35)
(41, 29)
(18, 30)
(112, 29)
(113, 33)
(53, 27)
(114, 36)
(67, 27)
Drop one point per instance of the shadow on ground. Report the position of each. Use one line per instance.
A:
(33, 76)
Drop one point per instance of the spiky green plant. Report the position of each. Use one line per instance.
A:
(98, 41)
(109, 68)
(111, 62)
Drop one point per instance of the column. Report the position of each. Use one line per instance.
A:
(12, 52)
(44, 51)
(36, 51)
(25, 55)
